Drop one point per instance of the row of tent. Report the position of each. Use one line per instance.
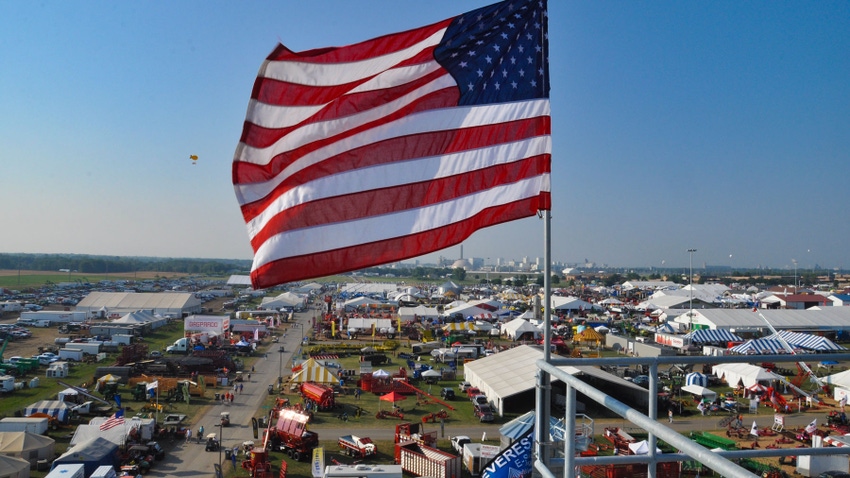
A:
(771, 344)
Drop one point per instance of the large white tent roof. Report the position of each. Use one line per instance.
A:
(420, 311)
(510, 372)
(131, 301)
(828, 318)
(285, 299)
(841, 379)
(572, 303)
(743, 372)
(517, 327)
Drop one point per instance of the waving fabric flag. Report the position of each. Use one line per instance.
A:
(812, 427)
(397, 146)
(116, 419)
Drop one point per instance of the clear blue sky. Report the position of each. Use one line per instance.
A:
(721, 126)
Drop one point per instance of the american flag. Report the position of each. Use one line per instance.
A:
(116, 419)
(812, 427)
(397, 146)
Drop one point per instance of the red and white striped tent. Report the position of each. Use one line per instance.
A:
(837, 440)
(312, 371)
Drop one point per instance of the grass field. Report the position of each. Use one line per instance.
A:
(14, 279)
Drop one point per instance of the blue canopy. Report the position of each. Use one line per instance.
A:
(516, 428)
(760, 346)
(799, 340)
(703, 336)
(696, 378)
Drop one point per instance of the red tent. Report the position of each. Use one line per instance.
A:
(393, 397)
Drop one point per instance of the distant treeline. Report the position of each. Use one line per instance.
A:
(113, 264)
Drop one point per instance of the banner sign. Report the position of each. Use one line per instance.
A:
(514, 461)
(317, 465)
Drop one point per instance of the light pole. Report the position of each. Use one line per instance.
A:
(300, 336)
(280, 368)
(691, 280)
(220, 441)
(795, 274)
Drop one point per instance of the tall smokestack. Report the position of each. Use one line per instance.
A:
(461, 251)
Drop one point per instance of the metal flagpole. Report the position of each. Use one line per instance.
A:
(544, 392)
(541, 433)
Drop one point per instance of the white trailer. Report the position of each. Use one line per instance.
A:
(88, 348)
(7, 383)
(71, 354)
(37, 425)
(122, 339)
(76, 470)
(54, 316)
(363, 471)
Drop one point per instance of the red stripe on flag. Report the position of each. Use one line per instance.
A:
(247, 173)
(406, 196)
(347, 105)
(361, 51)
(363, 255)
(396, 150)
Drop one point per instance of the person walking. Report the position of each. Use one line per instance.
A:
(188, 435)
(200, 433)
(670, 415)
(233, 456)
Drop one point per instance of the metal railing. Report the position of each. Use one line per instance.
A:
(718, 461)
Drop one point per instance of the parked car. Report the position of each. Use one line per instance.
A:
(15, 360)
(480, 400)
(447, 393)
(463, 386)
(484, 413)
(46, 358)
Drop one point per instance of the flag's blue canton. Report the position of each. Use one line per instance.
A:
(498, 53)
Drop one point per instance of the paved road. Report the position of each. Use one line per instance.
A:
(190, 459)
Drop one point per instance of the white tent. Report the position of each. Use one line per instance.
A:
(735, 373)
(841, 379)
(353, 304)
(466, 310)
(572, 303)
(11, 467)
(701, 391)
(27, 446)
(408, 314)
(517, 327)
(641, 448)
(286, 299)
(137, 317)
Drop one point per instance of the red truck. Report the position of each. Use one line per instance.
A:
(353, 445)
(321, 395)
(415, 432)
(290, 435)
(421, 460)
